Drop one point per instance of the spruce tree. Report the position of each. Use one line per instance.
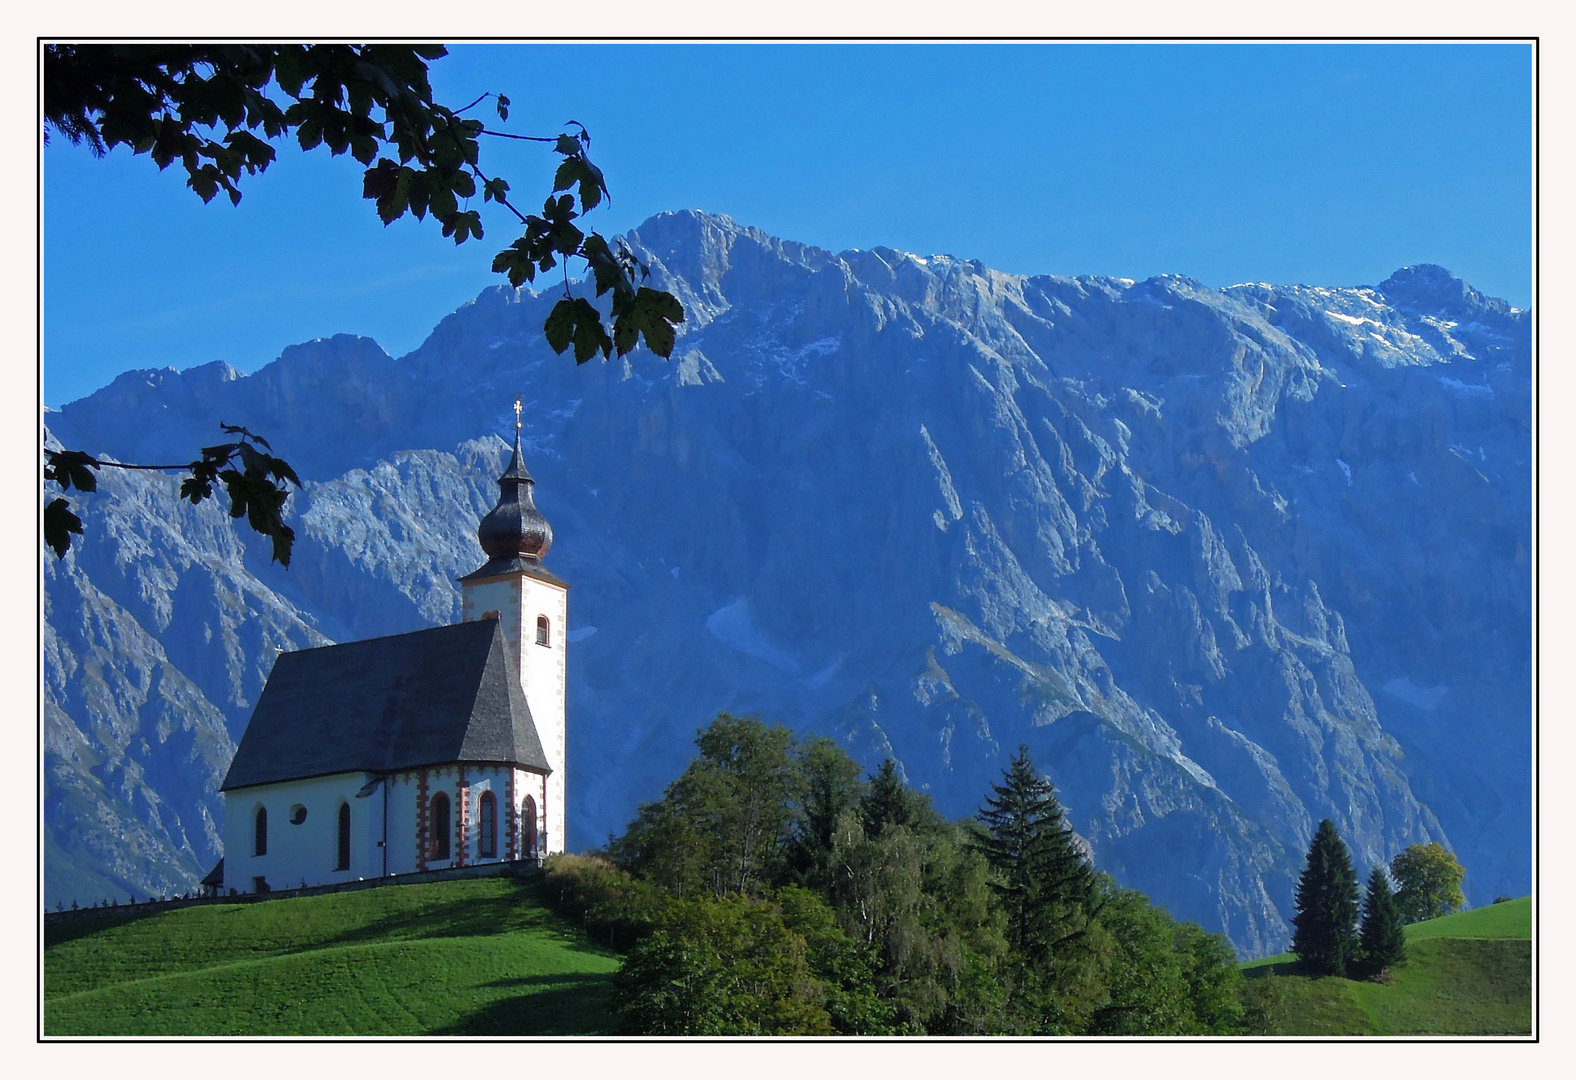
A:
(1326, 920)
(886, 802)
(1047, 887)
(1383, 933)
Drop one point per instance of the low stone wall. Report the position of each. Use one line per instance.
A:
(521, 868)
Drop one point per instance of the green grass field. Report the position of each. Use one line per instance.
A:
(477, 957)
(486, 957)
(1465, 974)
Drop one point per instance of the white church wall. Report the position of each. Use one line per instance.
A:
(543, 669)
(402, 823)
(305, 852)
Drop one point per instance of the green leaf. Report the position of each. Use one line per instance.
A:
(463, 226)
(496, 188)
(383, 183)
(577, 322)
(196, 489)
(235, 429)
(59, 524)
(609, 270)
(650, 313)
(71, 469)
(577, 170)
(515, 260)
(289, 69)
(503, 107)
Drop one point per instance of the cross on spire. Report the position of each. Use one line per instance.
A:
(517, 409)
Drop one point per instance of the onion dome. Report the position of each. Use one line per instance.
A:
(515, 528)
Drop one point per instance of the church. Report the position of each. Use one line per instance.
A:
(423, 751)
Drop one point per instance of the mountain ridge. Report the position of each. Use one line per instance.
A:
(1173, 537)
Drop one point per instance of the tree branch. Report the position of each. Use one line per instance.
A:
(522, 138)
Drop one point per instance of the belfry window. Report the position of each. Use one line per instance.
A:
(543, 635)
(487, 826)
(440, 826)
(260, 832)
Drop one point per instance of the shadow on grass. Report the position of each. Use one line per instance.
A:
(560, 1005)
(523, 907)
(1284, 967)
(60, 933)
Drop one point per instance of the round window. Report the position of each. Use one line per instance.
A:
(297, 814)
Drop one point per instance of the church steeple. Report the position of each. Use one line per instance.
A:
(515, 528)
(532, 605)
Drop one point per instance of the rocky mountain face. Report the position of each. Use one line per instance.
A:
(1227, 561)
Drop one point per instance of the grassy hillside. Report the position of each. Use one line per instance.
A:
(1465, 974)
(477, 957)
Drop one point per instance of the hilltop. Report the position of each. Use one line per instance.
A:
(478, 957)
(1465, 974)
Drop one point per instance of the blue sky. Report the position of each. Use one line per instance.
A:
(1318, 164)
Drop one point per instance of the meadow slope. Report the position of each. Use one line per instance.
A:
(479, 957)
(1465, 974)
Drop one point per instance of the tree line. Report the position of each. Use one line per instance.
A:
(775, 889)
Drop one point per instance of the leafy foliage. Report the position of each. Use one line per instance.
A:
(727, 824)
(1325, 940)
(1162, 975)
(253, 479)
(216, 109)
(721, 966)
(1429, 882)
(771, 889)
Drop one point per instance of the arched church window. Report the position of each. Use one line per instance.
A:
(528, 828)
(440, 826)
(543, 637)
(487, 826)
(260, 832)
(342, 861)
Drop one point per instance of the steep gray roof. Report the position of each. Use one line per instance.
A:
(434, 696)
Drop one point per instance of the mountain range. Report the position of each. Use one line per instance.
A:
(1228, 561)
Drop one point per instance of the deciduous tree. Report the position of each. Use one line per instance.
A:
(728, 823)
(1428, 880)
(721, 966)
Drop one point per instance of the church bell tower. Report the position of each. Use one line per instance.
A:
(533, 604)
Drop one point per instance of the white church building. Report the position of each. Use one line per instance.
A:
(424, 751)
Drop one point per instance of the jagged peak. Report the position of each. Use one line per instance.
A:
(1430, 288)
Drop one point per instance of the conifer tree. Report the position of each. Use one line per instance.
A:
(1383, 934)
(887, 802)
(1326, 918)
(1047, 887)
